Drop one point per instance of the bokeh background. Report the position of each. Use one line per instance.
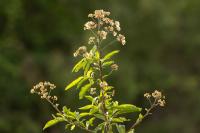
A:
(38, 37)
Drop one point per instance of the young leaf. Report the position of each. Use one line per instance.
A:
(53, 122)
(109, 55)
(73, 83)
(121, 128)
(79, 65)
(72, 127)
(91, 121)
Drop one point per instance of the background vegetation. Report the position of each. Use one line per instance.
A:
(38, 38)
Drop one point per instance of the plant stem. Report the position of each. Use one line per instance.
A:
(68, 121)
(148, 112)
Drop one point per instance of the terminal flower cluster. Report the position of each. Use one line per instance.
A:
(103, 25)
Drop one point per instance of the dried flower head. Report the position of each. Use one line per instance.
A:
(43, 89)
(103, 84)
(90, 25)
(103, 25)
(147, 95)
(114, 67)
(121, 39)
(80, 51)
(159, 99)
(156, 94)
(91, 40)
(102, 34)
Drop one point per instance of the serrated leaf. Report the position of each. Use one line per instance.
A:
(109, 55)
(73, 83)
(83, 90)
(79, 65)
(121, 128)
(86, 107)
(53, 122)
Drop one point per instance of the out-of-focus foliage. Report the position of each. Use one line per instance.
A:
(163, 42)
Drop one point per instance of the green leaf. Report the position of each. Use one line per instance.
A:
(132, 131)
(84, 89)
(109, 55)
(53, 122)
(87, 67)
(73, 83)
(72, 127)
(99, 116)
(91, 120)
(84, 114)
(121, 128)
(90, 98)
(79, 65)
(127, 108)
(81, 82)
(108, 63)
(86, 107)
(68, 113)
(120, 119)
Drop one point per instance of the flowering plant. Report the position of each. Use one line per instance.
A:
(102, 113)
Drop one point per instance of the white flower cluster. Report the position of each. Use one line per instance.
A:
(104, 25)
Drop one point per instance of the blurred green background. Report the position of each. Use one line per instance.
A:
(38, 38)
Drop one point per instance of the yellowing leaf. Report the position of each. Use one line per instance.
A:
(73, 83)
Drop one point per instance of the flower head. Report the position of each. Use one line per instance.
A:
(121, 39)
